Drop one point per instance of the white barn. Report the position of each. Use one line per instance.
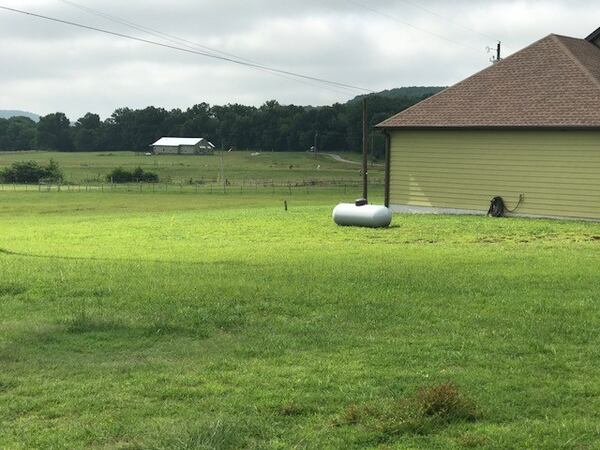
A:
(182, 146)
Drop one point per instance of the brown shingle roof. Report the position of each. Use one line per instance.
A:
(553, 83)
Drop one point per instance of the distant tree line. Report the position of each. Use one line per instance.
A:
(271, 126)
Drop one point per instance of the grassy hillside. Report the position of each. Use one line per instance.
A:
(197, 321)
(238, 166)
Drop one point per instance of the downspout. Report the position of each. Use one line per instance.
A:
(388, 142)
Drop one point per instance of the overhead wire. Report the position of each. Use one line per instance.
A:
(194, 45)
(408, 24)
(151, 31)
(446, 19)
(186, 50)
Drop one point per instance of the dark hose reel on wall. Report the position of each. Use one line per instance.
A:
(498, 206)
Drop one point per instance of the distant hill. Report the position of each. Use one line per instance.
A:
(7, 114)
(417, 92)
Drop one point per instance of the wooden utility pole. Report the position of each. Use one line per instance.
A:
(223, 170)
(365, 161)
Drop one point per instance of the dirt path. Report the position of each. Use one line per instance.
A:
(338, 158)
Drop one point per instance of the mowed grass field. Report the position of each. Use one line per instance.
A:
(238, 166)
(222, 321)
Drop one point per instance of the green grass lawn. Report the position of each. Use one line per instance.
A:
(238, 166)
(222, 321)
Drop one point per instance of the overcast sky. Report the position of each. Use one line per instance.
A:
(47, 67)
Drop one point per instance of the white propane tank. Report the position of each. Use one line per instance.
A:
(372, 216)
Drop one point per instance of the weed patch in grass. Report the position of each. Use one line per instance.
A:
(216, 435)
(162, 327)
(427, 411)
(6, 386)
(291, 409)
(354, 414)
(472, 440)
(11, 289)
(82, 322)
(444, 402)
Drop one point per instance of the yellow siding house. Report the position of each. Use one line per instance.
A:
(526, 129)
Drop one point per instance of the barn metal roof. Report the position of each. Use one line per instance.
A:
(176, 142)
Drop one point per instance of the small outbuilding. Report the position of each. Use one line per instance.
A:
(526, 129)
(182, 146)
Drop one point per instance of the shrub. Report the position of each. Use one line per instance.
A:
(31, 172)
(120, 175)
(148, 177)
(53, 171)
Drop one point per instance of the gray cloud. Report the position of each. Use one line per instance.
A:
(49, 67)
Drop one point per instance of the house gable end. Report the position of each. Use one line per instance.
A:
(594, 38)
(553, 83)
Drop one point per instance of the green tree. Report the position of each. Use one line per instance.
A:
(88, 133)
(17, 133)
(54, 133)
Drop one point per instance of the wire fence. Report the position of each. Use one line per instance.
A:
(212, 187)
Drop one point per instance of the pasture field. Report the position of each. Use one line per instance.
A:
(203, 321)
(238, 166)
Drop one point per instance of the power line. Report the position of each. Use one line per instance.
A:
(464, 27)
(172, 47)
(194, 45)
(396, 19)
(151, 31)
(186, 50)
